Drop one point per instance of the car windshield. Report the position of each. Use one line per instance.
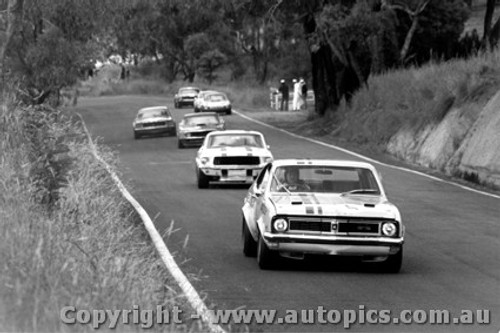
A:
(153, 113)
(215, 98)
(325, 179)
(235, 140)
(199, 120)
(188, 91)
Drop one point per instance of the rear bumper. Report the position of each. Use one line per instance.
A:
(334, 245)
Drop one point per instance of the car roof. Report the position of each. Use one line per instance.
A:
(322, 162)
(209, 92)
(189, 88)
(203, 114)
(234, 132)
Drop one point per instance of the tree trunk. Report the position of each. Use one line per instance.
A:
(488, 17)
(409, 37)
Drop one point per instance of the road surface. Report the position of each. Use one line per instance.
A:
(452, 247)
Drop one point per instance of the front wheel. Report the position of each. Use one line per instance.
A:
(249, 244)
(265, 258)
(202, 180)
(137, 135)
(180, 144)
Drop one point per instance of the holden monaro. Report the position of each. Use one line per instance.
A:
(330, 207)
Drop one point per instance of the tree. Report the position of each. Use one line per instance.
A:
(209, 62)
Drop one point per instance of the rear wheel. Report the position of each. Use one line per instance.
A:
(202, 180)
(265, 258)
(249, 244)
(393, 263)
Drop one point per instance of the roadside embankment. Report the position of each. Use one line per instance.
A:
(67, 236)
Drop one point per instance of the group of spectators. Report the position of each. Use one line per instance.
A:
(299, 100)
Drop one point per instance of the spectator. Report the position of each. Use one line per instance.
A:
(285, 95)
(296, 93)
(304, 93)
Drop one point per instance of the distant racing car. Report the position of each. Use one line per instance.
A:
(193, 128)
(153, 120)
(299, 206)
(185, 96)
(231, 156)
(212, 101)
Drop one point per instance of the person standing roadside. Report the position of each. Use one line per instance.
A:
(303, 91)
(285, 95)
(296, 93)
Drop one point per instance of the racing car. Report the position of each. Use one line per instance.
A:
(298, 207)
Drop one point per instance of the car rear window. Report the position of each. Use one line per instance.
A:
(188, 91)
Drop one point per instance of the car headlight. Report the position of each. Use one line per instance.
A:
(389, 229)
(267, 159)
(204, 160)
(280, 225)
(138, 125)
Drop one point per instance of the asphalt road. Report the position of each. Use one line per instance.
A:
(452, 247)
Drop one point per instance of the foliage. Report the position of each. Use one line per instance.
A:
(209, 62)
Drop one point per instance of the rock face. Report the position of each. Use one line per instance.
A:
(465, 144)
(480, 151)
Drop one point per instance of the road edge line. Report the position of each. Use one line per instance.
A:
(190, 292)
(328, 145)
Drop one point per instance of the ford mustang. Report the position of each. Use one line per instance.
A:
(195, 126)
(231, 156)
(330, 207)
(153, 120)
(185, 96)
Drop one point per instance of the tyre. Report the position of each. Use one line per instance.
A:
(228, 112)
(176, 105)
(265, 258)
(136, 135)
(393, 263)
(196, 110)
(249, 244)
(180, 144)
(202, 179)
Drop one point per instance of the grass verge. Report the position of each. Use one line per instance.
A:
(68, 237)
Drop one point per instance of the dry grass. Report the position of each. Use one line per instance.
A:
(84, 247)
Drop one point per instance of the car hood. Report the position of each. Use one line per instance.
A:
(321, 204)
(152, 120)
(195, 128)
(236, 151)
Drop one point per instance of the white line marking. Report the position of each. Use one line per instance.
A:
(364, 157)
(171, 162)
(191, 294)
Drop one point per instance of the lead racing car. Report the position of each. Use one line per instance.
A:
(231, 156)
(331, 207)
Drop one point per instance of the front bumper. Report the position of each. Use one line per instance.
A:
(225, 109)
(185, 101)
(334, 245)
(232, 174)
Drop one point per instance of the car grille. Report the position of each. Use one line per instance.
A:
(310, 226)
(239, 160)
(153, 124)
(350, 227)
